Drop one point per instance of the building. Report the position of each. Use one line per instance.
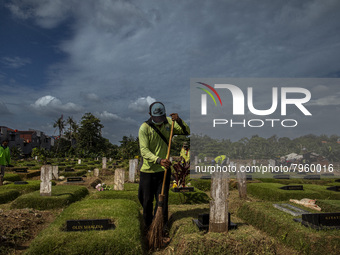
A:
(26, 140)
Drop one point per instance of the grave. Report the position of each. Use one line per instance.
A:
(320, 221)
(281, 176)
(292, 187)
(206, 177)
(104, 163)
(20, 169)
(96, 172)
(69, 169)
(20, 182)
(249, 177)
(133, 165)
(46, 177)
(218, 219)
(334, 188)
(119, 179)
(87, 225)
(75, 179)
(55, 172)
(241, 182)
(184, 189)
(312, 177)
(291, 209)
(203, 222)
(337, 180)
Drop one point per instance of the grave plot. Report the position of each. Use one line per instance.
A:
(125, 238)
(273, 192)
(24, 188)
(282, 226)
(61, 196)
(8, 195)
(12, 177)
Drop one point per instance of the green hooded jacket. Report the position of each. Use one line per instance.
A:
(152, 146)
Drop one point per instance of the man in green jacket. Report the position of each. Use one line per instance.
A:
(5, 158)
(154, 137)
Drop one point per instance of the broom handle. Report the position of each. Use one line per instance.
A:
(168, 155)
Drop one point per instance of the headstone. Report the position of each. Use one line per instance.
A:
(75, 179)
(218, 219)
(96, 172)
(46, 177)
(20, 169)
(281, 176)
(86, 225)
(271, 162)
(312, 177)
(79, 161)
(104, 162)
(203, 222)
(110, 159)
(241, 182)
(119, 179)
(205, 159)
(199, 160)
(321, 220)
(334, 188)
(254, 162)
(292, 187)
(196, 160)
(133, 164)
(249, 177)
(184, 189)
(20, 182)
(69, 169)
(36, 157)
(170, 159)
(55, 172)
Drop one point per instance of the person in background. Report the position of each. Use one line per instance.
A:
(5, 158)
(185, 153)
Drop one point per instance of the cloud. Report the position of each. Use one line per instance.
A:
(326, 101)
(109, 116)
(15, 62)
(3, 109)
(50, 104)
(90, 97)
(141, 105)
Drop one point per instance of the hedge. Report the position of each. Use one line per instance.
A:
(272, 192)
(62, 196)
(281, 225)
(8, 195)
(12, 177)
(329, 205)
(24, 188)
(126, 238)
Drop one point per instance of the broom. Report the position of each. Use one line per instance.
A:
(155, 234)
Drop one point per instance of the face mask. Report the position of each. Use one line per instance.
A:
(157, 124)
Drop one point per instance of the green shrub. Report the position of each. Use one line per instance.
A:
(8, 195)
(281, 225)
(126, 238)
(12, 177)
(62, 196)
(271, 192)
(204, 185)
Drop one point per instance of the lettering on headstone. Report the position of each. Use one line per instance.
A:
(46, 177)
(292, 187)
(119, 179)
(75, 179)
(133, 164)
(312, 177)
(322, 219)
(218, 219)
(184, 189)
(87, 225)
(20, 169)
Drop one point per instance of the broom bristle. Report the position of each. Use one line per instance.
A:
(155, 234)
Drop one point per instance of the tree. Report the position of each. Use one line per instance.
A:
(90, 138)
(60, 124)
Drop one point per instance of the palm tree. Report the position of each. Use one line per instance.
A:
(60, 124)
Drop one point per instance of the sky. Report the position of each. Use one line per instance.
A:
(113, 58)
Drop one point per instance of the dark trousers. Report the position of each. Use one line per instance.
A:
(150, 186)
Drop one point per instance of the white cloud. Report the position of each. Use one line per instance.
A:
(90, 96)
(142, 104)
(109, 116)
(324, 101)
(15, 62)
(50, 104)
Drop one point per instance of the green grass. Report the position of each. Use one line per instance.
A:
(24, 188)
(271, 192)
(281, 226)
(62, 196)
(204, 185)
(8, 195)
(196, 197)
(329, 205)
(12, 177)
(126, 238)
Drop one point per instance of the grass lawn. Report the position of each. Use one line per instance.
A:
(126, 238)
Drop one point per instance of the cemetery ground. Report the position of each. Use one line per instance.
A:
(34, 224)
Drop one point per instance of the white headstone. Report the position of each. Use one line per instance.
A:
(196, 160)
(46, 177)
(79, 161)
(119, 179)
(254, 162)
(96, 172)
(110, 159)
(241, 180)
(104, 162)
(205, 159)
(133, 164)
